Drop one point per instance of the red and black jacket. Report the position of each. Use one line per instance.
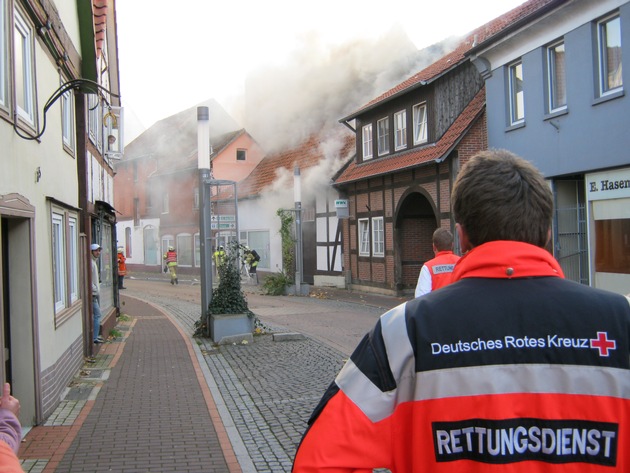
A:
(510, 368)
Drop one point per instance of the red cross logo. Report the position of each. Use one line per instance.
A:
(603, 344)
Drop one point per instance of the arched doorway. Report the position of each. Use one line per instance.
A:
(414, 226)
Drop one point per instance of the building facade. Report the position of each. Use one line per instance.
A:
(51, 67)
(157, 187)
(555, 92)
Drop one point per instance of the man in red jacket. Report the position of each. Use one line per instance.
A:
(436, 272)
(508, 368)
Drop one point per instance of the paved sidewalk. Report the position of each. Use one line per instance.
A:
(148, 409)
(157, 400)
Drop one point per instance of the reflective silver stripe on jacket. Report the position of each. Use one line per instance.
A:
(469, 381)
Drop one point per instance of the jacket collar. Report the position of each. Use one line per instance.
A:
(506, 259)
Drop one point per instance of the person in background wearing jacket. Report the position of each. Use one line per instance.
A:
(95, 249)
(122, 268)
(436, 272)
(508, 368)
(170, 258)
(10, 432)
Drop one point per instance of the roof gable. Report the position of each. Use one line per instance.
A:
(458, 55)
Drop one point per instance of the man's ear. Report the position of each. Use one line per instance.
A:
(464, 242)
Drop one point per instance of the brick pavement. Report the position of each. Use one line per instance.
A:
(154, 413)
(158, 401)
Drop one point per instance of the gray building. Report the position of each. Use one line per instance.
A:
(555, 92)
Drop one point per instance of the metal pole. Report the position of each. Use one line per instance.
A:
(205, 211)
(297, 194)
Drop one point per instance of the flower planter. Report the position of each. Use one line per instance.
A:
(229, 328)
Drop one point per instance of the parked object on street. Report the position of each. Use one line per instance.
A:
(509, 350)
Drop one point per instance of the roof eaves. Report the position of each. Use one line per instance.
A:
(508, 30)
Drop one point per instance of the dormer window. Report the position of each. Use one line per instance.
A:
(241, 154)
(420, 123)
(367, 142)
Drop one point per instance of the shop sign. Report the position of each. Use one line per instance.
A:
(608, 184)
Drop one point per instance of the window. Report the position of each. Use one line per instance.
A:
(65, 261)
(383, 136)
(364, 237)
(67, 120)
(165, 203)
(612, 251)
(400, 130)
(367, 142)
(378, 237)
(556, 77)
(517, 111)
(196, 198)
(609, 45)
(184, 249)
(258, 240)
(4, 55)
(420, 123)
(128, 241)
(167, 240)
(241, 154)
(136, 211)
(24, 60)
(95, 126)
(58, 261)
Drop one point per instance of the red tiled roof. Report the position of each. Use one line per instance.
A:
(305, 156)
(458, 55)
(100, 24)
(415, 157)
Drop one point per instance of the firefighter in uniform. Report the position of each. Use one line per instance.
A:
(170, 258)
(509, 368)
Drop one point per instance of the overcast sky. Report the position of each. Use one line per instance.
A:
(176, 54)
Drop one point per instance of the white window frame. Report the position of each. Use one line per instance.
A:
(400, 130)
(165, 203)
(73, 258)
(605, 85)
(420, 133)
(185, 258)
(378, 236)
(65, 261)
(363, 227)
(67, 121)
(59, 261)
(556, 78)
(382, 127)
(25, 105)
(4, 56)
(516, 93)
(95, 121)
(367, 141)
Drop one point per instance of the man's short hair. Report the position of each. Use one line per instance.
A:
(443, 239)
(499, 196)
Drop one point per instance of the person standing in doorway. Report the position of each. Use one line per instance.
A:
(436, 272)
(170, 258)
(122, 268)
(95, 249)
